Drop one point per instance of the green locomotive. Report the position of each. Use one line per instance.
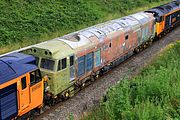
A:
(55, 59)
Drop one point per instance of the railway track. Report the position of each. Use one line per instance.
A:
(90, 97)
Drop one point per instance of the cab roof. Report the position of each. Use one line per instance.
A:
(166, 8)
(14, 65)
(18, 57)
(54, 49)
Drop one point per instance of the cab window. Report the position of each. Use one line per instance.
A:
(47, 64)
(71, 60)
(62, 64)
(23, 83)
(59, 65)
(35, 77)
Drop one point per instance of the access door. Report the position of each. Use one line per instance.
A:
(25, 97)
(138, 38)
(72, 68)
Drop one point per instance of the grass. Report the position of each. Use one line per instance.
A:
(152, 95)
(27, 22)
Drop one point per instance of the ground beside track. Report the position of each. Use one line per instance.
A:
(86, 99)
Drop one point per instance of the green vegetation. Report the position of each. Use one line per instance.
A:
(26, 22)
(152, 95)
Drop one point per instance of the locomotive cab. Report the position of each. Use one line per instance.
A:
(21, 86)
(55, 59)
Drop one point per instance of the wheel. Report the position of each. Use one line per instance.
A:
(160, 36)
(136, 50)
(150, 43)
(82, 86)
(66, 95)
(40, 110)
(93, 78)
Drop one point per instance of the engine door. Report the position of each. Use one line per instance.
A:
(72, 68)
(36, 89)
(24, 95)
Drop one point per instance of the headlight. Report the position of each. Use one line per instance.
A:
(47, 89)
(46, 78)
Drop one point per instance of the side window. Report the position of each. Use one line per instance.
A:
(71, 60)
(38, 76)
(23, 83)
(32, 78)
(64, 62)
(97, 58)
(127, 37)
(35, 77)
(59, 65)
(109, 44)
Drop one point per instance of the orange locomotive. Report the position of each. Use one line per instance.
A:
(167, 16)
(21, 86)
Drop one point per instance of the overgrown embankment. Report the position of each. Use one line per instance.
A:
(152, 95)
(25, 22)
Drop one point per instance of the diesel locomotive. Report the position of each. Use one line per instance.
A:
(70, 61)
(21, 86)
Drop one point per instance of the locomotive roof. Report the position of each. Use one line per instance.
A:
(178, 1)
(76, 44)
(55, 49)
(12, 66)
(18, 57)
(166, 8)
(82, 39)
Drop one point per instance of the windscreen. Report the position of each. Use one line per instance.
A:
(47, 64)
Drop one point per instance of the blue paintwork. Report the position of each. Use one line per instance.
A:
(81, 65)
(15, 65)
(89, 62)
(8, 102)
(166, 8)
(19, 57)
